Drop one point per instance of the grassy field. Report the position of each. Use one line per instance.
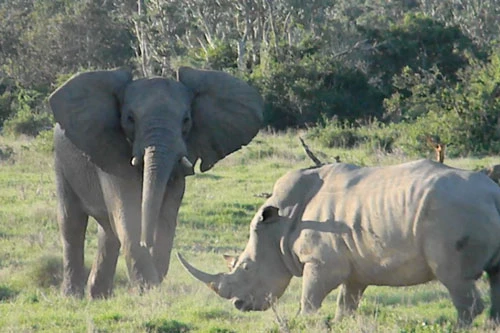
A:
(214, 219)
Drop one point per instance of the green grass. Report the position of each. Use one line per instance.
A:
(214, 218)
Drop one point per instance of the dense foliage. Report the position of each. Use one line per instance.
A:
(407, 69)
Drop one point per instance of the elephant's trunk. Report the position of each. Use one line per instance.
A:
(158, 166)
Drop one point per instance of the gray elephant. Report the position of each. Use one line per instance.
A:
(122, 150)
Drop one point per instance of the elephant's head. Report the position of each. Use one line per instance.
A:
(162, 125)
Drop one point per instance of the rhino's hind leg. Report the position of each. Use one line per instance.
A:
(467, 300)
(494, 278)
(348, 299)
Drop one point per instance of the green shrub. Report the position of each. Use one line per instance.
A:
(28, 116)
(27, 123)
(7, 293)
(6, 152)
(220, 330)
(334, 134)
(5, 105)
(306, 86)
(47, 271)
(417, 42)
(166, 326)
(465, 115)
(44, 141)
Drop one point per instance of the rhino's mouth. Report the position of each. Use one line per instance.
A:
(248, 306)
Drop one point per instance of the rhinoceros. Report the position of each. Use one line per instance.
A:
(343, 225)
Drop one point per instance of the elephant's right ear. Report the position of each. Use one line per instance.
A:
(87, 108)
(226, 114)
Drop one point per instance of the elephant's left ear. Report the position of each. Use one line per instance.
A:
(226, 114)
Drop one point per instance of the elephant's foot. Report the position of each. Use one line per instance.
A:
(99, 288)
(72, 289)
(141, 269)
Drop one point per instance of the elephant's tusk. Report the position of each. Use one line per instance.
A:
(187, 163)
(135, 161)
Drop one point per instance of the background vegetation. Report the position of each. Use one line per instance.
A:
(405, 68)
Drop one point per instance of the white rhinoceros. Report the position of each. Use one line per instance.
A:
(388, 226)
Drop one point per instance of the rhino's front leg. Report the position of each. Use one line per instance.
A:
(317, 282)
(348, 299)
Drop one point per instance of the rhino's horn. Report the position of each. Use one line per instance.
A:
(211, 280)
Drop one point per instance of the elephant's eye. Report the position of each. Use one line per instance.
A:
(130, 119)
(186, 125)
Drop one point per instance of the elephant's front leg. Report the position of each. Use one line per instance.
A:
(100, 284)
(123, 201)
(165, 231)
(72, 222)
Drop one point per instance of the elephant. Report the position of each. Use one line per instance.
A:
(123, 148)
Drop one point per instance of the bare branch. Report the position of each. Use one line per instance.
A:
(309, 153)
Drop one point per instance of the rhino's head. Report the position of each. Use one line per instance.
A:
(262, 272)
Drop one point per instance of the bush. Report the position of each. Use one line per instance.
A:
(418, 42)
(44, 141)
(166, 326)
(306, 86)
(404, 137)
(7, 293)
(28, 116)
(27, 123)
(5, 105)
(47, 271)
(334, 134)
(6, 152)
(465, 115)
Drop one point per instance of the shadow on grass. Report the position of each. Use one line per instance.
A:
(7, 293)
(407, 297)
(208, 176)
(47, 271)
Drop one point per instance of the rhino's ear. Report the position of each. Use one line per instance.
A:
(268, 213)
(230, 261)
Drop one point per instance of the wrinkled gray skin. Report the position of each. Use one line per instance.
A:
(122, 150)
(340, 225)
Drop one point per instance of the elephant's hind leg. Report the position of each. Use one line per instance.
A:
(100, 283)
(72, 222)
(494, 278)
